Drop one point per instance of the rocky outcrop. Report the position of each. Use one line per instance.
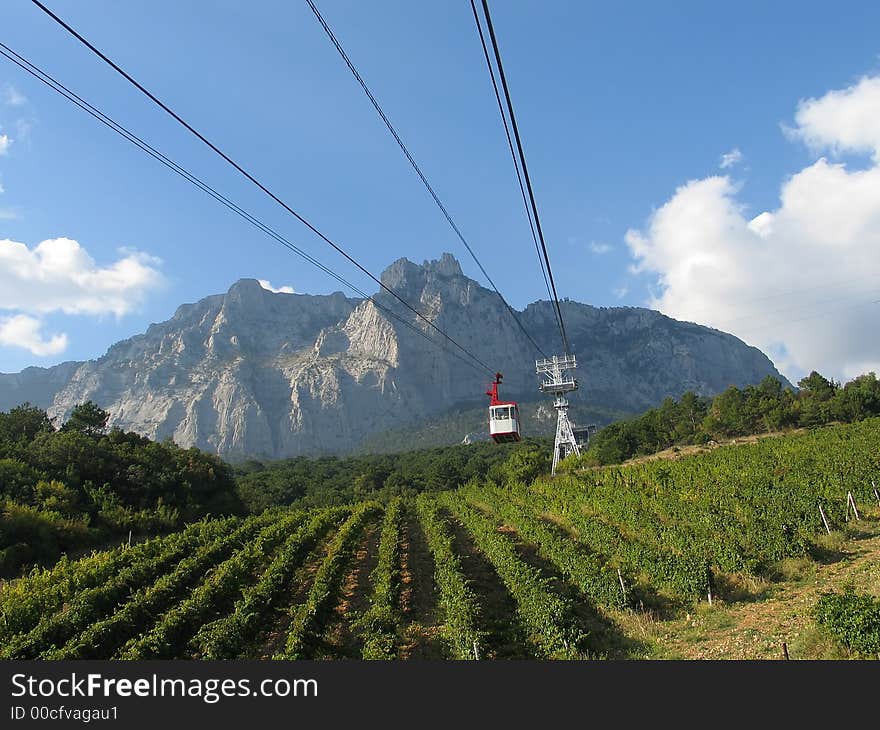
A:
(263, 374)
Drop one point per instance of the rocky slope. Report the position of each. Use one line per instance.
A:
(254, 373)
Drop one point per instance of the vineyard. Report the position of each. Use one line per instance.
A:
(555, 569)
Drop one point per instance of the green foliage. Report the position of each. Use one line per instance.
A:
(447, 429)
(307, 615)
(306, 482)
(103, 637)
(53, 630)
(21, 425)
(212, 598)
(380, 621)
(227, 637)
(739, 508)
(69, 489)
(682, 576)
(547, 615)
(526, 464)
(853, 619)
(755, 409)
(460, 608)
(23, 602)
(31, 535)
(590, 572)
(87, 418)
(212, 590)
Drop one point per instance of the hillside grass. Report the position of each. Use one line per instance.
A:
(755, 623)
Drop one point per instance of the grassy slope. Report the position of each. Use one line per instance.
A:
(766, 615)
(759, 616)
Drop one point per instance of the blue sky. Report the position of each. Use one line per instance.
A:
(619, 104)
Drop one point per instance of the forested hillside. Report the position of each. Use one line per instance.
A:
(762, 408)
(65, 489)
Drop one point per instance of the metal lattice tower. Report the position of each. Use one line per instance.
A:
(558, 382)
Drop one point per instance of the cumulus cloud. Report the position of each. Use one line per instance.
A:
(60, 275)
(800, 281)
(279, 290)
(729, 159)
(23, 331)
(5, 144)
(599, 248)
(842, 121)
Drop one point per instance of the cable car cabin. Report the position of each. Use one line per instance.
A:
(503, 416)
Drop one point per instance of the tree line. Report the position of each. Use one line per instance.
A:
(329, 480)
(69, 488)
(763, 408)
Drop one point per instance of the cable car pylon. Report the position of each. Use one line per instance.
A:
(558, 382)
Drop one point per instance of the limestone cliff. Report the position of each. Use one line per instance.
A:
(255, 373)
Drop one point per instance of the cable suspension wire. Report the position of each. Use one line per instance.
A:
(348, 62)
(519, 179)
(525, 169)
(107, 121)
(174, 115)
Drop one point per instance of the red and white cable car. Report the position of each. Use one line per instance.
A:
(503, 416)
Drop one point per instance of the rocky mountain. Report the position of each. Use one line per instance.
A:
(252, 373)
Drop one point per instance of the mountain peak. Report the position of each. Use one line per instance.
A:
(404, 274)
(245, 287)
(446, 265)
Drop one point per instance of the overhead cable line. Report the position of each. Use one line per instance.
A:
(107, 121)
(146, 92)
(348, 62)
(519, 179)
(525, 170)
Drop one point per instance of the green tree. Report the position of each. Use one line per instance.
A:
(526, 465)
(22, 424)
(859, 399)
(87, 418)
(55, 496)
(728, 416)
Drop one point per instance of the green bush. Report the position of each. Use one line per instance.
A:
(852, 618)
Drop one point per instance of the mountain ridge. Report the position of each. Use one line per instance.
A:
(253, 373)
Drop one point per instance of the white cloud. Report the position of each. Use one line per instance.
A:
(620, 292)
(729, 159)
(23, 331)
(279, 290)
(599, 248)
(5, 144)
(842, 121)
(801, 281)
(60, 275)
(12, 96)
